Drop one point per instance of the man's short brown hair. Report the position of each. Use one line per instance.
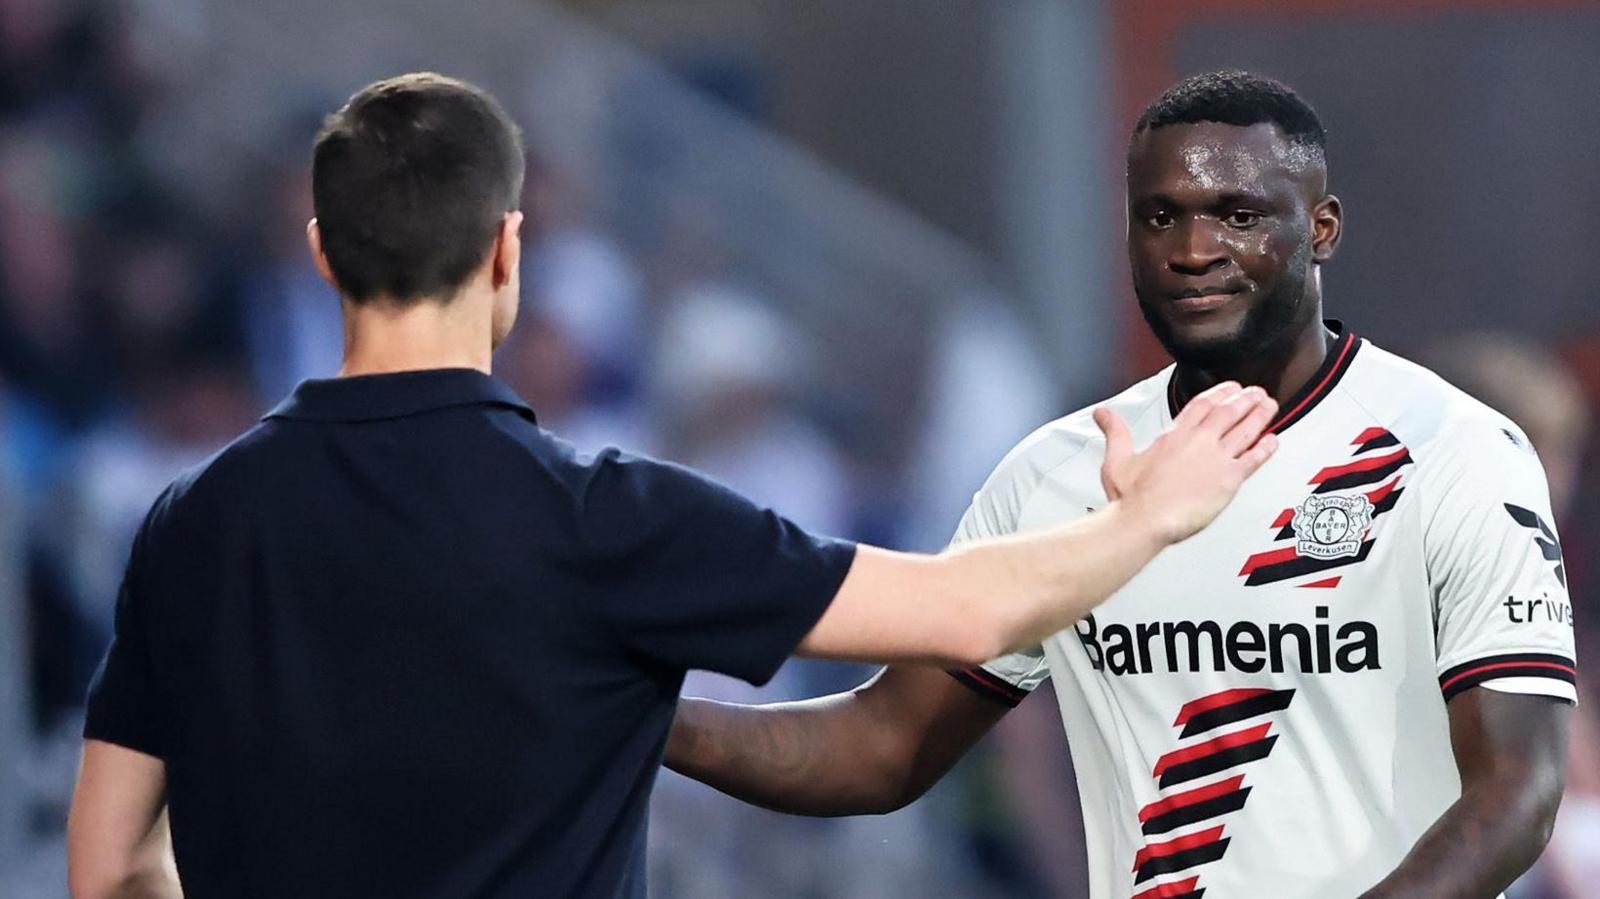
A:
(410, 181)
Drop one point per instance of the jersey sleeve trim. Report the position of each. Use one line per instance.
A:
(1508, 665)
(990, 686)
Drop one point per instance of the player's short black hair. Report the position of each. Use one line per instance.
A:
(410, 181)
(1233, 97)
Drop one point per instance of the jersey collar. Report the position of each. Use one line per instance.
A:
(396, 395)
(1319, 385)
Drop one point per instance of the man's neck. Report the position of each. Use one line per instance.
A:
(383, 337)
(1282, 370)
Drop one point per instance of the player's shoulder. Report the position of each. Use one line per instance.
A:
(1074, 438)
(207, 489)
(1429, 414)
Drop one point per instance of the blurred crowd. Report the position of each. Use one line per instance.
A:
(140, 331)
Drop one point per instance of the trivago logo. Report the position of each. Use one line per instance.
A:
(1319, 647)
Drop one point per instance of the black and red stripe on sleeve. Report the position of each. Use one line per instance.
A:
(991, 685)
(1516, 664)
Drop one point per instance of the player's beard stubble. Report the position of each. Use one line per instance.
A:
(1273, 321)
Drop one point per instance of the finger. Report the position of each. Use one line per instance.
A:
(1231, 411)
(1119, 450)
(1201, 404)
(1257, 456)
(1220, 390)
(1119, 447)
(1243, 435)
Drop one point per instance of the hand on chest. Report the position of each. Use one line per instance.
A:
(1301, 573)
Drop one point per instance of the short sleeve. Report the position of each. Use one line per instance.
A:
(994, 512)
(1503, 617)
(692, 575)
(123, 704)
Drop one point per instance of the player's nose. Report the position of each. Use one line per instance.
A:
(1196, 249)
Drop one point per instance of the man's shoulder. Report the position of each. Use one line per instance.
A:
(221, 476)
(497, 437)
(1428, 414)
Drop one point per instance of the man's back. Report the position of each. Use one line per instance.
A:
(397, 640)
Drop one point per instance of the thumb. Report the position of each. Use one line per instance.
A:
(1119, 448)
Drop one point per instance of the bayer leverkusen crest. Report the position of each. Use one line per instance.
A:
(1331, 527)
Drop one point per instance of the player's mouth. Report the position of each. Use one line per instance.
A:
(1205, 299)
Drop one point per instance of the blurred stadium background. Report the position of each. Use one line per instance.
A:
(841, 254)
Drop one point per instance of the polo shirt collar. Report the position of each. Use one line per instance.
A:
(396, 395)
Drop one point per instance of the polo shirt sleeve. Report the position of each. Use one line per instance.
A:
(122, 704)
(692, 575)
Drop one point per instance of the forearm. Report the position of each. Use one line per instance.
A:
(1482, 843)
(813, 757)
(1036, 585)
(970, 604)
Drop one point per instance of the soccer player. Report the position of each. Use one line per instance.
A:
(1355, 682)
(397, 640)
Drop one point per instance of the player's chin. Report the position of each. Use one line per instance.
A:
(1203, 339)
(1209, 331)
(1207, 345)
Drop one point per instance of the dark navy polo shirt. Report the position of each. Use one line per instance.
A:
(399, 641)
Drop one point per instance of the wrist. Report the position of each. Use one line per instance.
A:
(1145, 522)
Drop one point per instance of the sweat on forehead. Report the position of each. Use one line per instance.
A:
(1226, 154)
(1243, 99)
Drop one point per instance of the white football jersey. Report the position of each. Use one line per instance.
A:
(1261, 710)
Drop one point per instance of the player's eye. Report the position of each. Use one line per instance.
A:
(1161, 220)
(1242, 218)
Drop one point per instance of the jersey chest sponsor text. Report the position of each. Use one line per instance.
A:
(1317, 646)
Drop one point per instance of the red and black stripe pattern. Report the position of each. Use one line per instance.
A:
(1197, 804)
(1200, 798)
(1177, 889)
(1216, 754)
(1381, 460)
(1180, 853)
(1515, 664)
(991, 685)
(1229, 706)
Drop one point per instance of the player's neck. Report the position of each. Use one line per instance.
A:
(1282, 371)
(384, 337)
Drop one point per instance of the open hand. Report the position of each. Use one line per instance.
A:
(1191, 472)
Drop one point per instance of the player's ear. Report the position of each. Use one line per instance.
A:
(507, 249)
(1327, 226)
(314, 240)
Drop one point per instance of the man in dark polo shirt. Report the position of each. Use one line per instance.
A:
(397, 640)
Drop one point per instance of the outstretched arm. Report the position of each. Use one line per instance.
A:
(972, 603)
(868, 751)
(1512, 752)
(876, 748)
